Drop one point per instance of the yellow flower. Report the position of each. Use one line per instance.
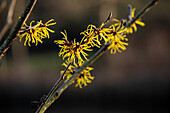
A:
(120, 24)
(36, 33)
(72, 50)
(79, 50)
(83, 79)
(90, 36)
(115, 32)
(116, 45)
(93, 35)
(69, 72)
(44, 30)
(117, 39)
(30, 34)
(137, 22)
(66, 46)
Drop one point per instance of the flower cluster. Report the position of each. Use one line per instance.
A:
(35, 33)
(76, 52)
(84, 78)
(73, 49)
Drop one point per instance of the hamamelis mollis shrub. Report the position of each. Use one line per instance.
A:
(75, 52)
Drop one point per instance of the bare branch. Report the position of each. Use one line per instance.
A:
(142, 12)
(100, 52)
(9, 19)
(12, 36)
(53, 89)
(107, 20)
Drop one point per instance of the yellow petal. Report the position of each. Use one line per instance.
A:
(140, 23)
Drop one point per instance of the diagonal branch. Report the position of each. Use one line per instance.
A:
(61, 77)
(142, 12)
(9, 19)
(100, 52)
(12, 36)
(53, 88)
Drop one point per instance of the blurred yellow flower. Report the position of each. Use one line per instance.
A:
(117, 39)
(116, 45)
(120, 24)
(115, 32)
(137, 22)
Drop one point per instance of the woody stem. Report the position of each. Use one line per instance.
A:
(53, 88)
(100, 52)
(13, 34)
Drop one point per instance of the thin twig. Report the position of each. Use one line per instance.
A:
(58, 92)
(39, 110)
(142, 12)
(61, 77)
(100, 52)
(9, 19)
(53, 88)
(12, 36)
(41, 107)
(107, 19)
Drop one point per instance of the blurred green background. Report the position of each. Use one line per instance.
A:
(137, 80)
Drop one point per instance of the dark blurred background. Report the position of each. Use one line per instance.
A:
(137, 80)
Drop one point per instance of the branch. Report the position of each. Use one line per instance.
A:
(9, 19)
(142, 12)
(58, 92)
(61, 77)
(107, 20)
(41, 107)
(12, 36)
(100, 52)
(53, 88)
